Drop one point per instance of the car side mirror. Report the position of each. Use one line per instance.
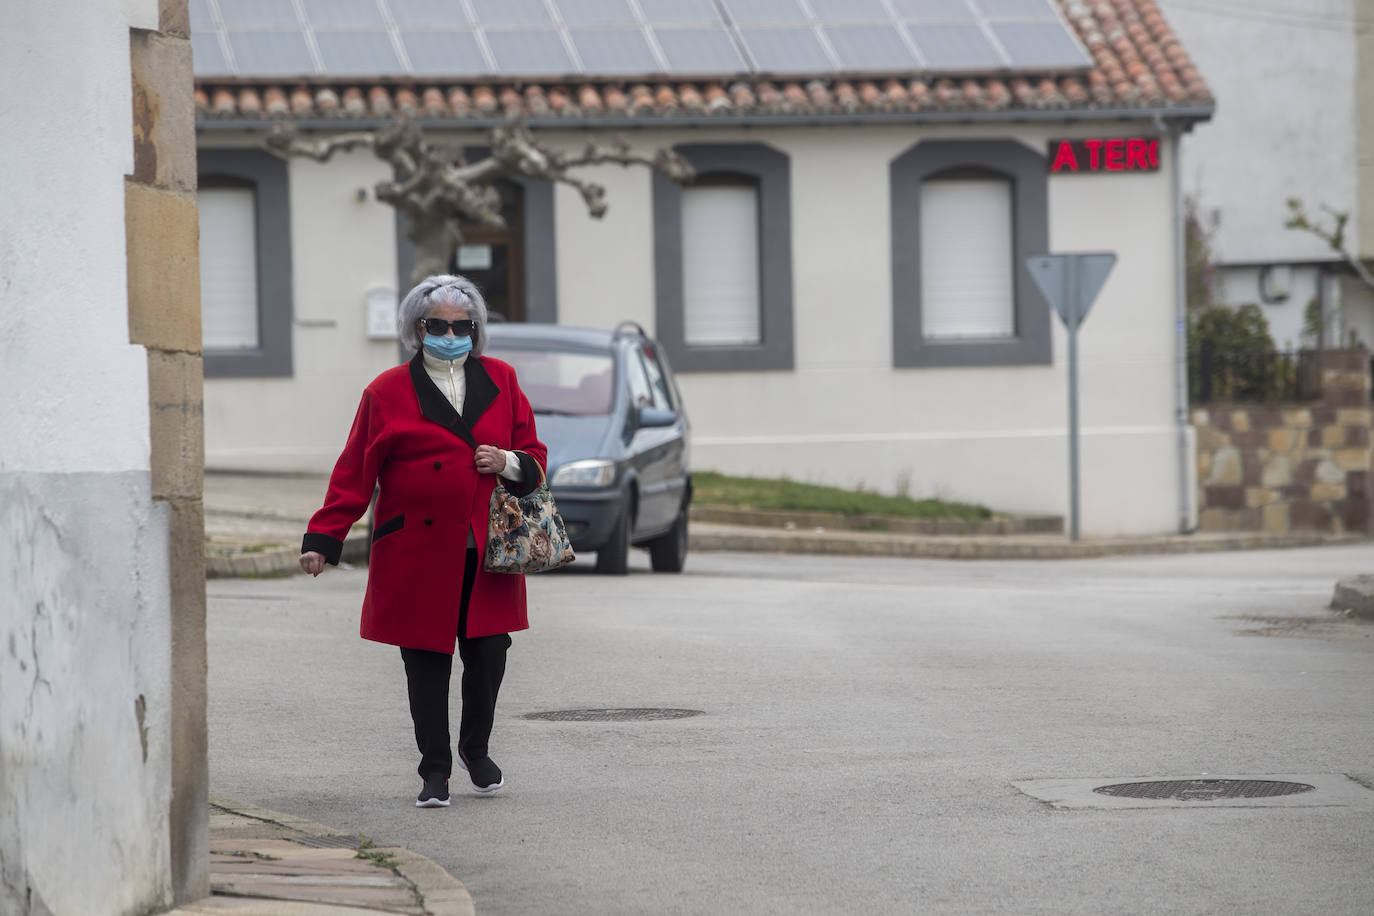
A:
(656, 416)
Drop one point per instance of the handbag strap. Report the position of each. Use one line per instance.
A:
(542, 478)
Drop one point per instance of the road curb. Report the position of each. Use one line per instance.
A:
(440, 893)
(1355, 596)
(1032, 547)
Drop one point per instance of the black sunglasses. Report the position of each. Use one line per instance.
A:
(463, 327)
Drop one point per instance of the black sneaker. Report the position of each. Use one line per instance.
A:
(434, 794)
(483, 771)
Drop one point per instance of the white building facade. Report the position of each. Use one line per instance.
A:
(842, 293)
(1289, 74)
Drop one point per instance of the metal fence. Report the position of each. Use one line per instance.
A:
(1263, 376)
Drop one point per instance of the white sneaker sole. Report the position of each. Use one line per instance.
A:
(480, 790)
(433, 803)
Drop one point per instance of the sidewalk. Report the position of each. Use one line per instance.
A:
(264, 863)
(254, 523)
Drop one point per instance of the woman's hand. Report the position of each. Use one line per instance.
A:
(490, 459)
(312, 561)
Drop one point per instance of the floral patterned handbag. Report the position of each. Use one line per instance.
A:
(525, 534)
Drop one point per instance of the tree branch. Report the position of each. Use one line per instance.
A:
(1333, 237)
(437, 190)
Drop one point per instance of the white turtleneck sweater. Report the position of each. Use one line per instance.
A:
(448, 376)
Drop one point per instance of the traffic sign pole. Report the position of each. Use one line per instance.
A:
(1070, 282)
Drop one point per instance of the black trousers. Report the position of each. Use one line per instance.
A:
(427, 681)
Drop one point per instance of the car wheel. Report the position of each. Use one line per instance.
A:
(614, 556)
(668, 553)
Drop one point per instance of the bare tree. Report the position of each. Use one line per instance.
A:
(1333, 234)
(438, 190)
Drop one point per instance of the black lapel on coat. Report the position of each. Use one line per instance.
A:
(481, 391)
(434, 406)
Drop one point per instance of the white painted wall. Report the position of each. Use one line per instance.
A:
(84, 785)
(844, 415)
(1284, 76)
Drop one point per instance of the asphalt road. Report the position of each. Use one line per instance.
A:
(864, 722)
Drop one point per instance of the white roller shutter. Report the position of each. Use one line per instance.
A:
(967, 287)
(228, 269)
(720, 265)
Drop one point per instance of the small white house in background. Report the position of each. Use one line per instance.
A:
(1296, 78)
(842, 292)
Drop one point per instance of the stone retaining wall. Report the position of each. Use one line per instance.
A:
(1291, 467)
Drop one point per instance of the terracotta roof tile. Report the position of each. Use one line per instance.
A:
(1138, 62)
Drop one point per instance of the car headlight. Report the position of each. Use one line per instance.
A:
(594, 472)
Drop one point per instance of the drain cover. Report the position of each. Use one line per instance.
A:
(327, 842)
(1204, 789)
(612, 715)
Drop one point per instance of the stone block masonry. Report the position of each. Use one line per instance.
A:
(1292, 467)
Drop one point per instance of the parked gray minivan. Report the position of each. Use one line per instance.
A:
(608, 408)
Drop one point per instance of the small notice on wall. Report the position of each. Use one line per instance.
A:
(474, 257)
(1106, 154)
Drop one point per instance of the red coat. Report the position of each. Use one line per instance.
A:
(407, 437)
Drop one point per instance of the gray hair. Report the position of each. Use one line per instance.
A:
(442, 289)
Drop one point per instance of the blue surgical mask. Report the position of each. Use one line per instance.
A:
(447, 347)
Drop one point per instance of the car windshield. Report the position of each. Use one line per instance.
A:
(560, 381)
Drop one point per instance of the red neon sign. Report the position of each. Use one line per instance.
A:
(1107, 154)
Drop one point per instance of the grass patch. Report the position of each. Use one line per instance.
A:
(710, 488)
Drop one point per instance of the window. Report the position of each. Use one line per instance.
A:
(967, 289)
(658, 383)
(720, 251)
(562, 383)
(965, 217)
(245, 264)
(228, 269)
(723, 260)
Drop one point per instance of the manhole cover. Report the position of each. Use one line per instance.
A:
(1204, 789)
(612, 715)
(327, 842)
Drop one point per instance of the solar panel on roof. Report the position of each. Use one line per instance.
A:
(511, 12)
(700, 50)
(693, 11)
(720, 38)
(199, 12)
(597, 12)
(356, 53)
(939, 10)
(537, 52)
(955, 47)
(426, 12)
(257, 13)
(1018, 9)
(849, 10)
(765, 11)
(444, 53)
(279, 53)
(206, 55)
(607, 51)
(786, 50)
(875, 47)
(343, 13)
(1037, 44)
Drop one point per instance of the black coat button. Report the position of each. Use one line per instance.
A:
(438, 465)
(429, 521)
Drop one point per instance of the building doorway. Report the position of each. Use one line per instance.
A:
(494, 258)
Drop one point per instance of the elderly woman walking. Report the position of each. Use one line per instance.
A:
(436, 435)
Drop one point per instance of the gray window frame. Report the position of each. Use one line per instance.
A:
(1027, 172)
(266, 175)
(771, 169)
